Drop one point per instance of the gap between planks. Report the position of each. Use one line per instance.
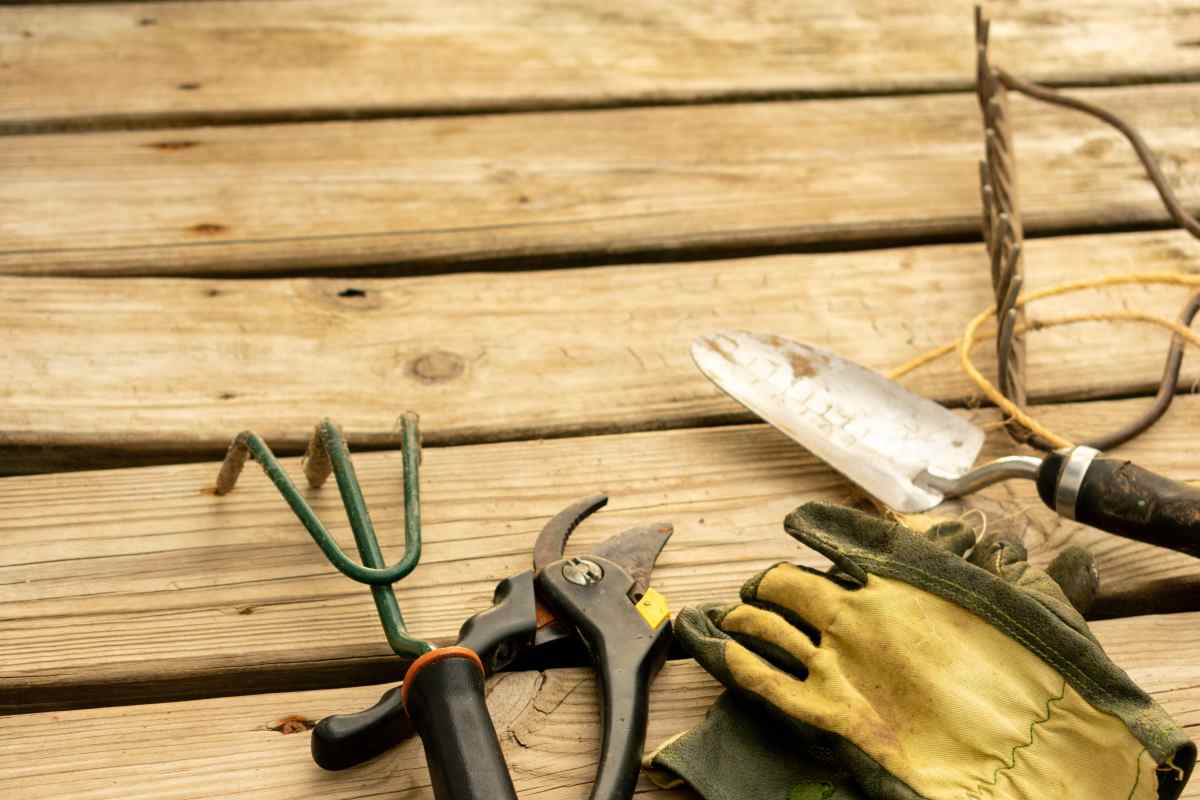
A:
(548, 724)
(594, 186)
(138, 585)
(124, 371)
(82, 66)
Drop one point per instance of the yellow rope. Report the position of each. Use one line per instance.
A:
(969, 338)
(1037, 325)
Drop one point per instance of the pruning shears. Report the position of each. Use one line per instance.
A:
(597, 608)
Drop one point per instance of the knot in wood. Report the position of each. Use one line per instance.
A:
(437, 366)
(293, 723)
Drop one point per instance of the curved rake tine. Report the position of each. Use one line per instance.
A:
(327, 453)
(998, 176)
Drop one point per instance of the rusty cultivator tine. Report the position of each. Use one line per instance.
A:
(1003, 234)
(327, 453)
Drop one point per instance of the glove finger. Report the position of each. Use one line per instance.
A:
(1074, 570)
(700, 637)
(1070, 589)
(809, 599)
(771, 637)
(1002, 554)
(952, 535)
(737, 666)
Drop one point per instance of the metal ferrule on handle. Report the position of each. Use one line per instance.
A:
(1070, 479)
(1120, 497)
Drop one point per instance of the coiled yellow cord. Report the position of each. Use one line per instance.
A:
(970, 336)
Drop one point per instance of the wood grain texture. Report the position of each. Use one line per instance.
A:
(547, 722)
(129, 371)
(594, 185)
(183, 61)
(139, 584)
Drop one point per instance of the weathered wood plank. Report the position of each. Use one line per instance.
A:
(590, 185)
(140, 584)
(547, 722)
(120, 372)
(170, 62)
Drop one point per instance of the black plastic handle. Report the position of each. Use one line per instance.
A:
(1122, 498)
(628, 655)
(498, 635)
(625, 678)
(344, 740)
(446, 702)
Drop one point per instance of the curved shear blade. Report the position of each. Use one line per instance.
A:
(552, 541)
(636, 550)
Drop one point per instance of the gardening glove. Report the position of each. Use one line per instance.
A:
(740, 752)
(927, 677)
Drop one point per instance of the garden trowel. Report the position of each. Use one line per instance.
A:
(911, 453)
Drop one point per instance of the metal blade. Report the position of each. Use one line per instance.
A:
(635, 551)
(872, 430)
(552, 541)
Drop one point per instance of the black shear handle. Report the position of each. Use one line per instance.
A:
(446, 702)
(497, 635)
(628, 655)
(345, 740)
(625, 676)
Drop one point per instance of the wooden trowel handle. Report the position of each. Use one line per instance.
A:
(1122, 498)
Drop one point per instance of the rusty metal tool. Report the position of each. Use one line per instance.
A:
(911, 453)
(597, 608)
(1003, 234)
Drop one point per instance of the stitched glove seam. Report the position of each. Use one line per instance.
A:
(1011, 763)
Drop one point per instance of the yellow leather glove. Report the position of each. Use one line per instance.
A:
(926, 677)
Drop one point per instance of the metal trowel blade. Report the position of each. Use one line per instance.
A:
(871, 429)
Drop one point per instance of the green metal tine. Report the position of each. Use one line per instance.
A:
(327, 452)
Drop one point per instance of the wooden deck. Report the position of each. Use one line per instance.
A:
(511, 218)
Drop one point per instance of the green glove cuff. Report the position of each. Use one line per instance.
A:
(738, 752)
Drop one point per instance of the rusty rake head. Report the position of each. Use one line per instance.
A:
(1004, 235)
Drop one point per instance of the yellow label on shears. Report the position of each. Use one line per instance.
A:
(653, 608)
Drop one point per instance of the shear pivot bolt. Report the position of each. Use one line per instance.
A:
(582, 572)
